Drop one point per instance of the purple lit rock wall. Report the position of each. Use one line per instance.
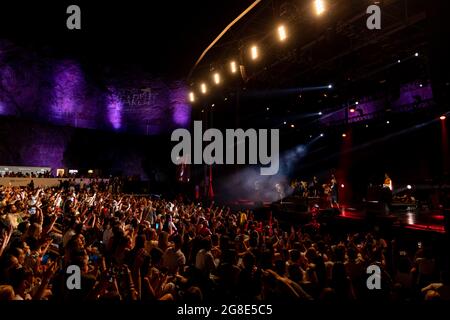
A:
(25, 142)
(31, 144)
(61, 92)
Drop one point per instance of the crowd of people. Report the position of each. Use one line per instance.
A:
(151, 249)
(19, 174)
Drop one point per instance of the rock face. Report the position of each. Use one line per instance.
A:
(46, 105)
(31, 144)
(25, 142)
(62, 92)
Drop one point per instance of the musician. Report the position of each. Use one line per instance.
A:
(280, 191)
(387, 192)
(304, 189)
(314, 187)
(334, 191)
(387, 182)
(296, 187)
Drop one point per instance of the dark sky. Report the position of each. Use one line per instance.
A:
(164, 37)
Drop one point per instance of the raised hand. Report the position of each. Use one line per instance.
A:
(5, 239)
(50, 272)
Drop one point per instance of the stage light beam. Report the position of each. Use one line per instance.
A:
(254, 52)
(191, 96)
(203, 88)
(319, 6)
(282, 34)
(216, 78)
(233, 67)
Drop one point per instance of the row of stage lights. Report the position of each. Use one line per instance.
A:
(282, 32)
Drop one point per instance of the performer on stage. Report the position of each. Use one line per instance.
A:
(387, 182)
(387, 192)
(314, 187)
(334, 190)
(280, 191)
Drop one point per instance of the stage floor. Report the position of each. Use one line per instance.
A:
(425, 221)
(431, 221)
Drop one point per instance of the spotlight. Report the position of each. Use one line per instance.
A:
(213, 105)
(398, 61)
(408, 187)
(416, 54)
(443, 117)
(321, 134)
(421, 85)
(342, 185)
(233, 67)
(367, 125)
(357, 102)
(319, 6)
(292, 126)
(254, 52)
(344, 135)
(285, 122)
(330, 86)
(225, 99)
(352, 110)
(267, 108)
(388, 122)
(216, 78)
(282, 35)
(320, 113)
(203, 88)
(191, 96)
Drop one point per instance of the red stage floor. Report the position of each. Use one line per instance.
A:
(432, 221)
(425, 221)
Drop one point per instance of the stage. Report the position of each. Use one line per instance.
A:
(432, 221)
